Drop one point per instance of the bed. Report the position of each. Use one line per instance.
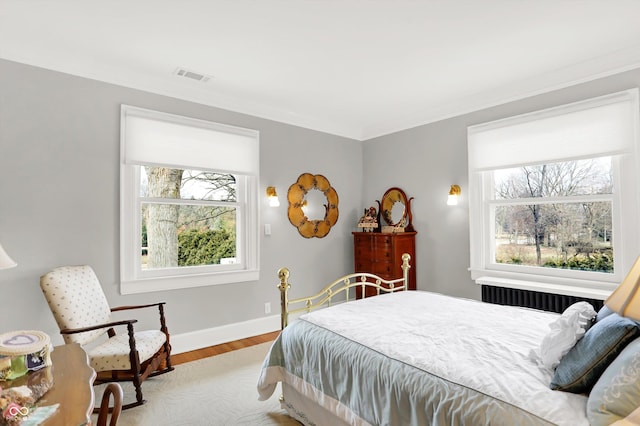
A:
(413, 358)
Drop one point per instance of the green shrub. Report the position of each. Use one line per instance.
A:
(600, 262)
(197, 247)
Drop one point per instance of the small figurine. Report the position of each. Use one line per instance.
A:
(369, 220)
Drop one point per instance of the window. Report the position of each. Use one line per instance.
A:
(554, 197)
(188, 202)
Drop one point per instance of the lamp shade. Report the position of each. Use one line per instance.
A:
(625, 299)
(454, 194)
(272, 196)
(5, 260)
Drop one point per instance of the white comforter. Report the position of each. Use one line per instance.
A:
(469, 357)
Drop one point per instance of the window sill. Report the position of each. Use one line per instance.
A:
(555, 288)
(149, 285)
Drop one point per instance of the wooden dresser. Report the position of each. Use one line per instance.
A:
(381, 254)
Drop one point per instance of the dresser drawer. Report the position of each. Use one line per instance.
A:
(362, 240)
(363, 266)
(365, 252)
(382, 241)
(384, 269)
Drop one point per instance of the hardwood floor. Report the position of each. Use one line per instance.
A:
(222, 348)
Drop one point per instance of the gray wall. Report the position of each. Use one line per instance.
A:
(425, 161)
(59, 185)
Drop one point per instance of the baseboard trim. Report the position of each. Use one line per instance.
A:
(199, 339)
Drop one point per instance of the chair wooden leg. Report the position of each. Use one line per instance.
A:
(167, 348)
(167, 344)
(137, 383)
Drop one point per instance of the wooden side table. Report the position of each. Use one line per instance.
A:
(72, 387)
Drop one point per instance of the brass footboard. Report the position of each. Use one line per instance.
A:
(341, 285)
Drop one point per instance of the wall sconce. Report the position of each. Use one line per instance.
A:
(454, 195)
(5, 261)
(272, 196)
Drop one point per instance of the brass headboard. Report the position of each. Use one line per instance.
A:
(341, 285)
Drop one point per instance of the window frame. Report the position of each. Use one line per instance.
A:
(625, 207)
(133, 278)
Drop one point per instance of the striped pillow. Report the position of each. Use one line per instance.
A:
(583, 365)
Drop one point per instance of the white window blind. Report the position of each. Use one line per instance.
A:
(180, 142)
(152, 138)
(606, 126)
(595, 128)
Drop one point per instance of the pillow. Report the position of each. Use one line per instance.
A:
(581, 367)
(616, 394)
(604, 312)
(564, 333)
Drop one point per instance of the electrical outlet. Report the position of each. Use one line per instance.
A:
(267, 308)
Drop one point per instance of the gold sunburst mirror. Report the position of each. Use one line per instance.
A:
(313, 205)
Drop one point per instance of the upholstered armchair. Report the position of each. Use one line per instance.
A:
(80, 308)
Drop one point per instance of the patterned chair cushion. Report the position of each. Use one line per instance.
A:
(114, 353)
(76, 299)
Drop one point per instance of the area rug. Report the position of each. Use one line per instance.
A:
(215, 391)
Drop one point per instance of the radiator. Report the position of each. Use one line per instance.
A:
(533, 299)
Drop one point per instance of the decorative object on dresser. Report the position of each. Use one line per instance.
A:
(395, 210)
(369, 220)
(80, 308)
(301, 206)
(380, 252)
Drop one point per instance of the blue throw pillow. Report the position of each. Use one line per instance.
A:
(581, 367)
(604, 312)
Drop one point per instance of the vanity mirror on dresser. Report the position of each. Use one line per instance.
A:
(381, 252)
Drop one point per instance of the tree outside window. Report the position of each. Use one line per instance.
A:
(188, 218)
(553, 215)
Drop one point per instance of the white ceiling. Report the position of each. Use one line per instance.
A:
(356, 68)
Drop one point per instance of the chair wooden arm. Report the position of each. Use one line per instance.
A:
(98, 326)
(160, 305)
(124, 308)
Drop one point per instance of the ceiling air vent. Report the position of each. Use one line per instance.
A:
(192, 75)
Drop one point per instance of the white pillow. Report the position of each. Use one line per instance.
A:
(563, 335)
